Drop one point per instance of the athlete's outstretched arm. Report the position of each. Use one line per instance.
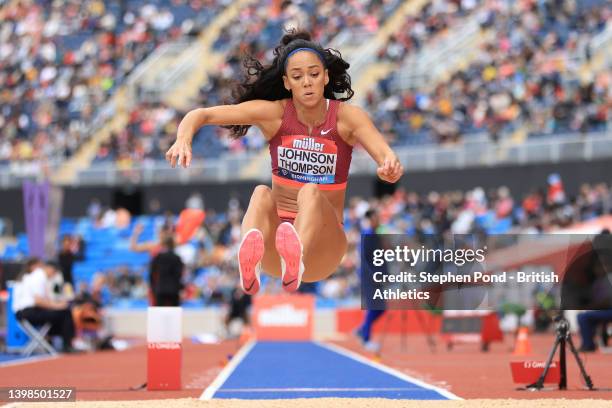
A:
(255, 112)
(363, 131)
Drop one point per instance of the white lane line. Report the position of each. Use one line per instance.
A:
(239, 390)
(227, 371)
(386, 369)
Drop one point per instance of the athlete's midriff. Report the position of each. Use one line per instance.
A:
(286, 199)
(300, 155)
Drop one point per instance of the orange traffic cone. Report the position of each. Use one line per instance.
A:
(523, 345)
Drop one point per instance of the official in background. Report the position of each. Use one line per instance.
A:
(71, 251)
(239, 304)
(34, 302)
(375, 309)
(167, 267)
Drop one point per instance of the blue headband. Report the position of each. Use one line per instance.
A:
(317, 53)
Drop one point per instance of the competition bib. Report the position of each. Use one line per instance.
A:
(307, 159)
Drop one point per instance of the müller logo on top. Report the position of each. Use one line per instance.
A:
(308, 143)
(169, 345)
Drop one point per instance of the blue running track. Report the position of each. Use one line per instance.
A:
(273, 370)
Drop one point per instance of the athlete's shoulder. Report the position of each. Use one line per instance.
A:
(352, 117)
(344, 121)
(350, 111)
(269, 107)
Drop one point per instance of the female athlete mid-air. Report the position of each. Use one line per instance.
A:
(295, 229)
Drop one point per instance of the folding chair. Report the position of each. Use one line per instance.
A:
(21, 336)
(37, 339)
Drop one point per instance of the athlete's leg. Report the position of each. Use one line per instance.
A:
(261, 215)
(320, 232)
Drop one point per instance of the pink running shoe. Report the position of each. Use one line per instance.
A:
(290, 249)
(250, 252)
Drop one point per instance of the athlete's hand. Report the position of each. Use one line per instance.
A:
(390, 170)
(180, 153)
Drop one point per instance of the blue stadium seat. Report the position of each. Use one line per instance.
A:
(501, 226)
(485, 220)
(11, 252)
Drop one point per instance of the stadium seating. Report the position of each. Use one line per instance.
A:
(530, 79)
(71, 58)
(256, 31)
(65, 93)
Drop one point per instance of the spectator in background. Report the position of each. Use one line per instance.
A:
(598, 268)
(94, 209)
(124, 282)
(375, 311)
(212, 290)
(556, 192)
(168, 268)
(70, 252)
(154, 207)
(195, 201)
(588, 322)
(100, 292)
(140, 288)
(230, 234)
(153, 248)
(88, 315)
(168, 222)
(34, 303)
(239, 304)
(58, 288)
(107, 219)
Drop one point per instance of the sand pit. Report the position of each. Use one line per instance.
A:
(329, 402)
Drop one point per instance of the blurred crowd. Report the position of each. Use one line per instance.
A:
(416, 30)
(527, 75)
(211, 276)
(523, 76)
(256, 31)
(60, 61)
(149, 133)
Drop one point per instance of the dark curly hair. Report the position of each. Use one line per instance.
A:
(266, 82)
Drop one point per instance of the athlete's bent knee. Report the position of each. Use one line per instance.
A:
(262, 198)
(308, 192)
(261, 192)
